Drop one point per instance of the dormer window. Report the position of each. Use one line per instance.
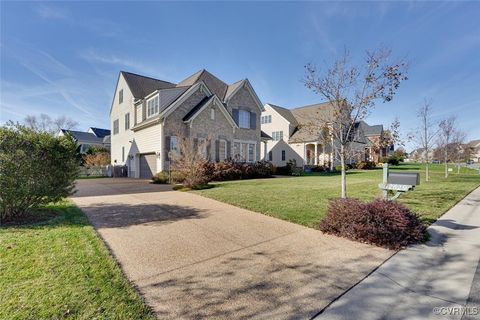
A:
(152, 106)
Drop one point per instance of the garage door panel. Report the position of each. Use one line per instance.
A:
(148, 165)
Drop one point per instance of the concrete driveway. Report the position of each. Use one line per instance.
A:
(193, 257)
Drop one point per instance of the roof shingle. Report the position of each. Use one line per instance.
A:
(141, 86)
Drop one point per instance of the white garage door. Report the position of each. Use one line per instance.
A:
(148, 165)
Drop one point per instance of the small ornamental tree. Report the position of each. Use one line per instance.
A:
(96, 157)
(352, 91)
(426, 133)
(188, 161)
(36, 168)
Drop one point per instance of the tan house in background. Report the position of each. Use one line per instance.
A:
(293, 138)
(474, 150)
(146, 115)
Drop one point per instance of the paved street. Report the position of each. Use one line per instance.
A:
(193, 257)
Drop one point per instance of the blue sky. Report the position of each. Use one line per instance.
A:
(63, 58)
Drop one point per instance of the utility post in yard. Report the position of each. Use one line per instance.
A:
(385, 180)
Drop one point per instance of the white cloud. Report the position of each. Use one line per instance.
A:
(93, 56)
(49, 12)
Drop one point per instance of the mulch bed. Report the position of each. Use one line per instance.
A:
(34, 217)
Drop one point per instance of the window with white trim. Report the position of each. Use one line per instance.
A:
(266, 119)
(277, 135)
(212, 114)
(244, 151)
(244, 119)
(152, 106)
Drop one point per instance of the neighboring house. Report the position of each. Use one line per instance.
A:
(419, 155)
(86, 139)
(294, 139)
(147, 115)
(474, 150)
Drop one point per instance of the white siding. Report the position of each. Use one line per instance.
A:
(139, 113)
(279, 123)
(146, 140)
(118, 112)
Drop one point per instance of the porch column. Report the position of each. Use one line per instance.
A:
(265, 158)
(315, 161)
(304, 154)
(323, 154)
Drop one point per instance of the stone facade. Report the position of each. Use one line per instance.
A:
(148, 141)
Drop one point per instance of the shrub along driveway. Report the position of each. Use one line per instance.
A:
(195, 257)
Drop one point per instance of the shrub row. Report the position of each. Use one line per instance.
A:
(218, 171)
(230, 170)
(381, 222)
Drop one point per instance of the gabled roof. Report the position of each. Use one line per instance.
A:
(369, 130)
(167, 96)
(198, 107)
(100, 132)
(84, 137)
(216, 85)
(140, 86)
(321, 111)
(265, 136)
(305, 117)
(232, 87)
(285, 113)
(474, 143)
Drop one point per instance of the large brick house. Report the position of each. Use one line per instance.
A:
(146, 115)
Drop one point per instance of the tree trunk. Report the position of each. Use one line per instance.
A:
(446, 165)
(458, 168)
(426, 171)
(344, 173)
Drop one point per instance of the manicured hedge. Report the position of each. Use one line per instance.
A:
(381, 222)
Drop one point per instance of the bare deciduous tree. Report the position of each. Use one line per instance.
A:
(459, 152)
(447, 134)
(188, 157)
(426, 133)
(353, 91)
(44, 123)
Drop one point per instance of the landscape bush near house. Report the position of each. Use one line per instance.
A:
(221, 171)
(393, 160)
(36, 168)
(290, 169)
(160, 178)
(366, 165)
(384, 223)
(230, 170)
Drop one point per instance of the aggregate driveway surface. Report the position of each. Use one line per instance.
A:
(193, 257)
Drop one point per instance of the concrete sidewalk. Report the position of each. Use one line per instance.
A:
(435, 280)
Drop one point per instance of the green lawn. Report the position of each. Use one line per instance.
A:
(304, 199)
(62, 269)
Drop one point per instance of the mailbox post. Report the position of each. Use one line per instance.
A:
(399, 182)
